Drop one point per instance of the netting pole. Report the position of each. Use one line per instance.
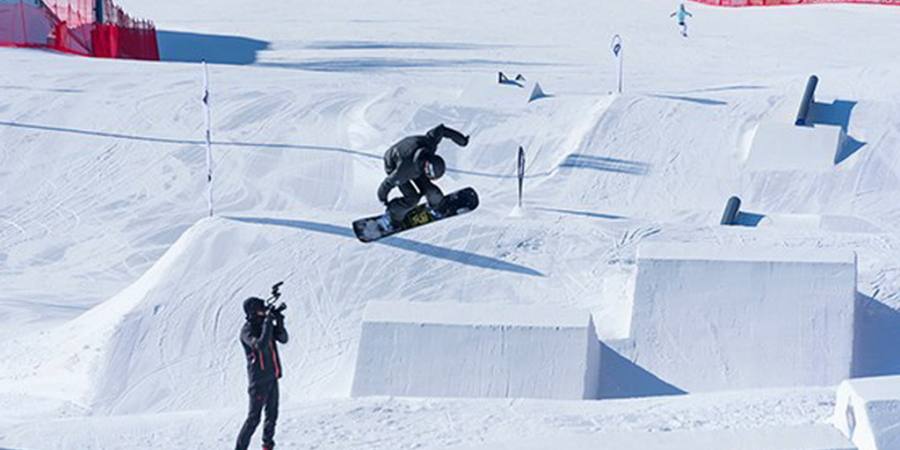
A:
(24, 27)
(209, 171)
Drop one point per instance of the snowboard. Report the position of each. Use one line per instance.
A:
(454, 204)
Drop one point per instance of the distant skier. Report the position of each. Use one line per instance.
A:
(411, 166)
(682, 14)
(260, 334)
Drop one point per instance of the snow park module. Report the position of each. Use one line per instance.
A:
(665, 242)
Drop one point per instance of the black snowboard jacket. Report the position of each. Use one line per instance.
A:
(405, 160)
(261, 349)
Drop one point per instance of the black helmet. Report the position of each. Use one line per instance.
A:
(434, 167)
(252, 305)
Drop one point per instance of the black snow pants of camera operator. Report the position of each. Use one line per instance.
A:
(262, 396)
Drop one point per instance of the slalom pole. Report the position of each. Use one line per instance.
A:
(521, 172)
(209, 171)
(618, 50)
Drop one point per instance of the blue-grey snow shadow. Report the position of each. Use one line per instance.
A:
(458, 256)
(581, 161)
(736, 87)
(384, 45)
(699, 101)
(375, 64)
(837, 113)
(512, 83)
(178, 46)
(876, 335)
(622, 378)
(581, 213)
(747, 219)
(176, 141)
(41, 89)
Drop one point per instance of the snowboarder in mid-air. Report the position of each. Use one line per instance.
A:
(681, 15)
(411, 166)
(260, 336)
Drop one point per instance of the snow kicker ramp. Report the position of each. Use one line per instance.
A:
(710, 317)
(477, 350)
(868, 412)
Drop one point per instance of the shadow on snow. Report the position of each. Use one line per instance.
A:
(877, 331)
(177, 46)
(374, 64)
(606, 164)
(622, 378)
(458, 256)
(837, 113)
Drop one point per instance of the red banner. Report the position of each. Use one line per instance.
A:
(740, 3)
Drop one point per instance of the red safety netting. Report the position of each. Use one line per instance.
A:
(74, 26)
(738, 3)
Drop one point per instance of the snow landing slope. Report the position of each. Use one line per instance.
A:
(119, 299)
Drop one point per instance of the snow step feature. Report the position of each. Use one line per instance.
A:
(810, 143)
(711, 317)
(785, 147)
(476, 350)
(867, 411)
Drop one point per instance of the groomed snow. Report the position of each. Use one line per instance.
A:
(102, 175)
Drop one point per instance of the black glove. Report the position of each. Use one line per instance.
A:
(465, 141)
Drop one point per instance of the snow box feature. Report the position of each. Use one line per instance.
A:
(710, 317)
(867, 411)
(782, 147)
(477, 350)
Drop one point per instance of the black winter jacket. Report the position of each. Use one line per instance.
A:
(405, 160)
(260, 347)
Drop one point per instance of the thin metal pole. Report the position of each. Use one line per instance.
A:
(209, 161)
(521, 172)
(618, 49)
(621, 72)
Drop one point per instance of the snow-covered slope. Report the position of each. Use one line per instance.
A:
(119, 297)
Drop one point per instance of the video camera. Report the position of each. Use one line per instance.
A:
(273, 299)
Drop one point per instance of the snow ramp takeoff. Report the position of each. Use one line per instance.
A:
(709, 317)
(476, 350)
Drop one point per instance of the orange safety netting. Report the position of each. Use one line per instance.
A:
(74, 26)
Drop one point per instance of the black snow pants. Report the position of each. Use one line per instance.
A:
(398, 207)
(261, 396)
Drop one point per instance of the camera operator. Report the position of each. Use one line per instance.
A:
(259, 337)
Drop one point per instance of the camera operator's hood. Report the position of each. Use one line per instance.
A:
(252, 305)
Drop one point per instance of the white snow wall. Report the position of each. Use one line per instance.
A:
(709, 317)
(867, 411)
(477, 350)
